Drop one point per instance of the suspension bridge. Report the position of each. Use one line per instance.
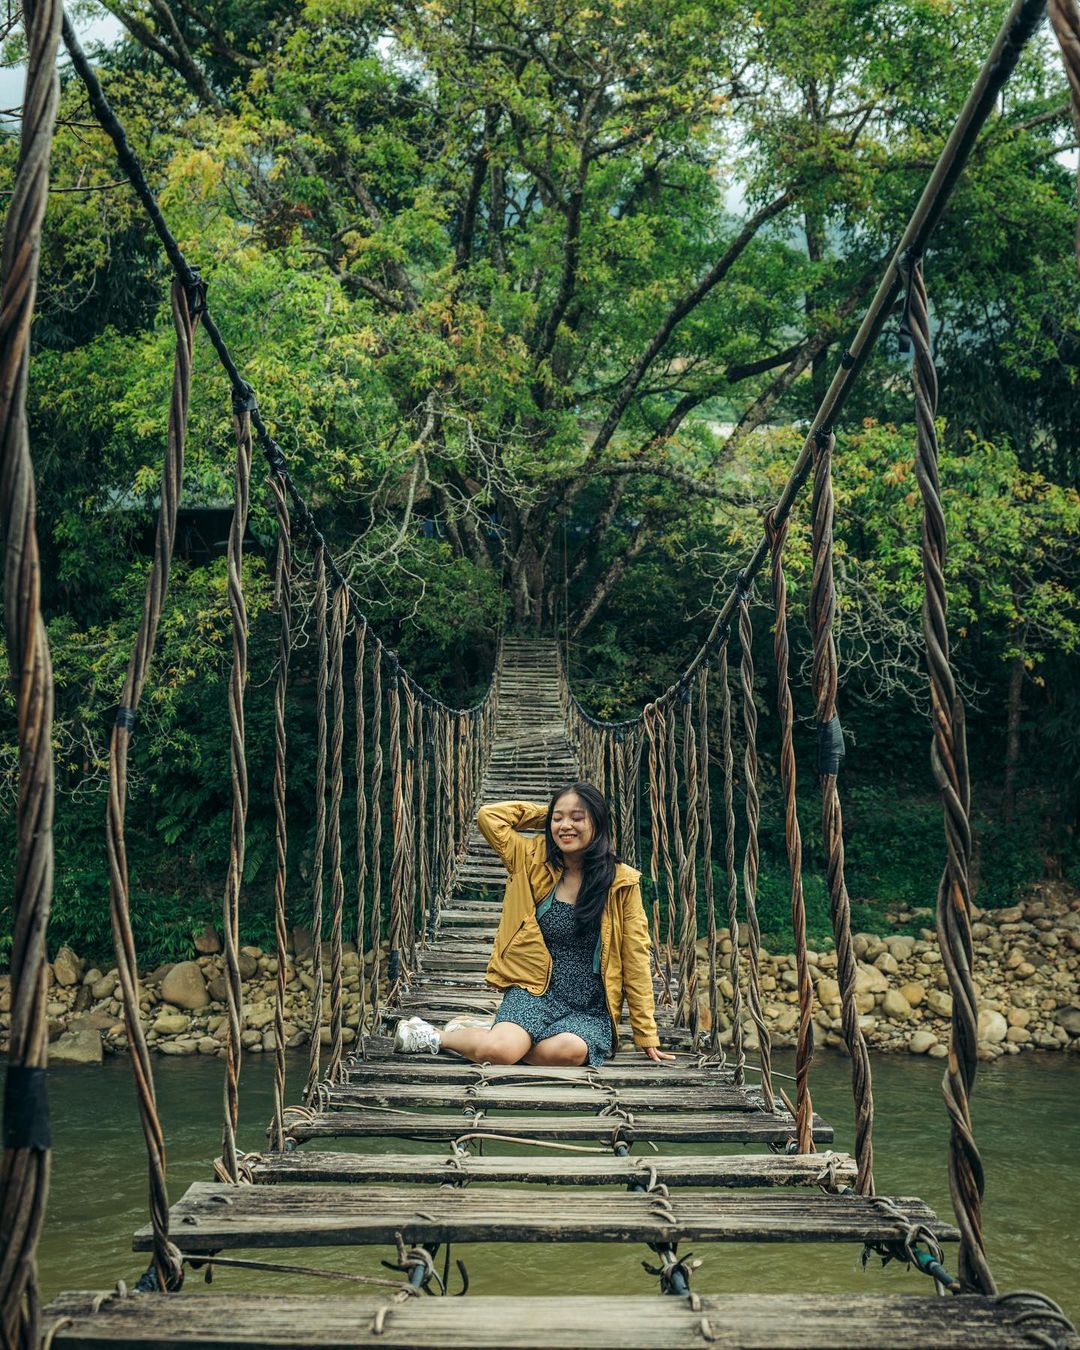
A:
(580, 1153)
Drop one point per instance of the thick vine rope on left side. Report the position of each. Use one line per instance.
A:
(24, 1175)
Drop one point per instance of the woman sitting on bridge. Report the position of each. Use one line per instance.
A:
(572, 942)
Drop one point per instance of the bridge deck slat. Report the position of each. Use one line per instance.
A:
(537, 1097)
(212, 1216)
(620, 1072)
(716, 1169)
(747, 1321)
(741, 1127)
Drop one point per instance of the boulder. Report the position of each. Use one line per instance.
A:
(103, 988)
(67, 968)
(1069, 1018)
(248, 964)
(170, 1024)
(218, 988)
(77, 1047)
(902, 947)
(895, 1005)
(208, 943)
(828, 991)
(939, 1002)
(301, 937)
(914, 993)
(921, 1041)
(870, 980)
(992, 1027)
(887, 963)
(92, 976)
(938, 1051)
(1018, 1035)
(184, 986)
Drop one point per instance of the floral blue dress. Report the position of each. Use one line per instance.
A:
(574, 999)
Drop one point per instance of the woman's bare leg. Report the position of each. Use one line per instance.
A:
(563, 1049)
(504, 1043)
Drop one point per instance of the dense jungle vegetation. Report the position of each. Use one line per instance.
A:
(536, 296)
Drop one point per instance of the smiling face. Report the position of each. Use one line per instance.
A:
(571, 825)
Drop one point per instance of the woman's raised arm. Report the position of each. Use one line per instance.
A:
(500, 822)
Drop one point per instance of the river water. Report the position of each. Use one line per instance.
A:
(1025, 1121)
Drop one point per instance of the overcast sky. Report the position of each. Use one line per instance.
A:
(90, 31)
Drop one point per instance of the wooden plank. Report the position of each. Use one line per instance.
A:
(621, 1071)
(213, 1321)
(681, 1169)
(736, 1127)
(542, 1097)
(213, 1217)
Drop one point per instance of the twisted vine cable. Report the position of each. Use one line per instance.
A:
(397, 833)
(24, 1171)
(339, 618)
(687, 842)
(648, 718)
(728, 761)
(376, 829)
(283, 599)
(423, 889)
(822, 616)
(360, 637)
(322, 676)
(949, 762)
(804, 1051)
(408, 832)
(167, 1263)
(750, 855)
(238, 771)
(708, 881)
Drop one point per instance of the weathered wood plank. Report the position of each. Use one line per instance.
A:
(742, 1127)
(545, 1097)
(731, 1322)
(212, 1216)
(709, 1169)
(621, 1071)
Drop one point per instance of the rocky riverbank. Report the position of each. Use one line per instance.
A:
(1027, 969)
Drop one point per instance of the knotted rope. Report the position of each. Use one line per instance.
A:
(24, 1173)
(830, 751)
(948, 759)
(804, 1052)
(234, 874)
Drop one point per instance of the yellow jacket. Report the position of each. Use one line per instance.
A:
(520, 955)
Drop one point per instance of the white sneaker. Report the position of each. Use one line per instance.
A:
(414, 1036)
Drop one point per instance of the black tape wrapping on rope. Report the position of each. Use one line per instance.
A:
(830, 746)
(125, 718)
(26, 1108)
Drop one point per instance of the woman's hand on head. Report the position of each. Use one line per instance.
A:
(657, 1056)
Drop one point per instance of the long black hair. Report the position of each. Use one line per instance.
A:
(598, 859)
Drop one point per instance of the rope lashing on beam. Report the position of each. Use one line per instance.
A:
(234, 874)
(949, 764)
(322, 679)
(283, 600)
(751, 853)
(24, 1172)
(804, 1051)
(822, 617)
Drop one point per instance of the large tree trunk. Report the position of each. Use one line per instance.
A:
(1015, 708)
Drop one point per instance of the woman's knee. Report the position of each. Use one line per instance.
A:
(506, 1045)
(565, 1048)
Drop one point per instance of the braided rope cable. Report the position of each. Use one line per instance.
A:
(652, 736)
(234, 875)
(1065, 21)
(728, 761)
(423, 856)
(283, 599)
(611, 785)
(949, 762)
(166, 1259)
(625, 747)
(397, 832)
(321, 681)
(339, 617)
(822, 616)
(461, 798)
(445, 817)
(663, 800)
(24, 1172)
(408, 827)
(708, 880)
(360, 728)
(376, 828)
(688, 1014)
(804, 1051)
(751, 853)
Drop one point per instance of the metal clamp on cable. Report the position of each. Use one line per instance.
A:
(823, 435)
(244, 400)
(125, 718)
(847, 361)
(275, 456)
(194, 292)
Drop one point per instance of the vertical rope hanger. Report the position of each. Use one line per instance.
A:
(339, 616)
(830, 753)
(648, 719)
(24, 1172)
(321, 680)
(804, 1052)
(750, 856)
(423, 868)
(705, 801)
(738, 1054)
(360, 730)
(283, 599)
(687, 841)
(238, 764)
(397, 832)
(408, 833)
(948, 758)
(376, 828)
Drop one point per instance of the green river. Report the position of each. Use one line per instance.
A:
(1025, 1120)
